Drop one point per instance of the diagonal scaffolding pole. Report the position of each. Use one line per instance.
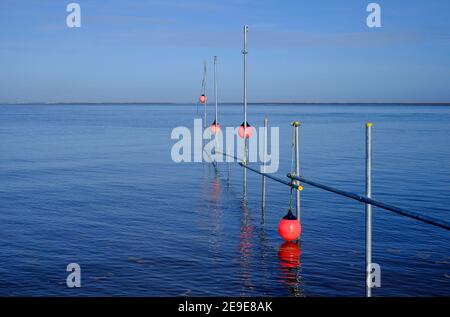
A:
(411, 214)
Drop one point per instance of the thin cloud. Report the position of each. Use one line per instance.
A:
(183, 4)
(277, 39)
(118, 20)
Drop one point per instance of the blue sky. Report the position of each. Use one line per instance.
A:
(137, 51)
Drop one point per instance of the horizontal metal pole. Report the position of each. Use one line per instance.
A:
(430, 220)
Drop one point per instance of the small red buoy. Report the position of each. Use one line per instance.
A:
(248, 131)
(202, 99)
(215, 127)
(289, 228)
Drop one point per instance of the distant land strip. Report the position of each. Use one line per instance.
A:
(223, 103)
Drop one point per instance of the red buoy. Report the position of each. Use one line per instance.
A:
(215, 127)
(289, 228)
(202, 99)
(248, 131)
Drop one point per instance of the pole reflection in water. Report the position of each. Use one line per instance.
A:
(289, 255)
(256, 258)
(266, 256)
(215, 186)
(245, 248)
(211, 214)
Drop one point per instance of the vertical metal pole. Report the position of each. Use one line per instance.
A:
(229, 165)
(368, 207)
(215, 85)
(216, 102)
(264, 170)
(244, 52)
(296, 125)
(206, 100)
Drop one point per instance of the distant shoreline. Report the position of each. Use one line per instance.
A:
(222, 103)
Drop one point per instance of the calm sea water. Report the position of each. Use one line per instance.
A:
(95, 185)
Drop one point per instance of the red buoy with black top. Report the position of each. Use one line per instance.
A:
(289, 227)
(202, 98)
(247, 130)
(215, 127)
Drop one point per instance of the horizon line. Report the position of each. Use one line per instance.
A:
(232, 103)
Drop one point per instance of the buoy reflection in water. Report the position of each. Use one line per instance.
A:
(289, 255)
